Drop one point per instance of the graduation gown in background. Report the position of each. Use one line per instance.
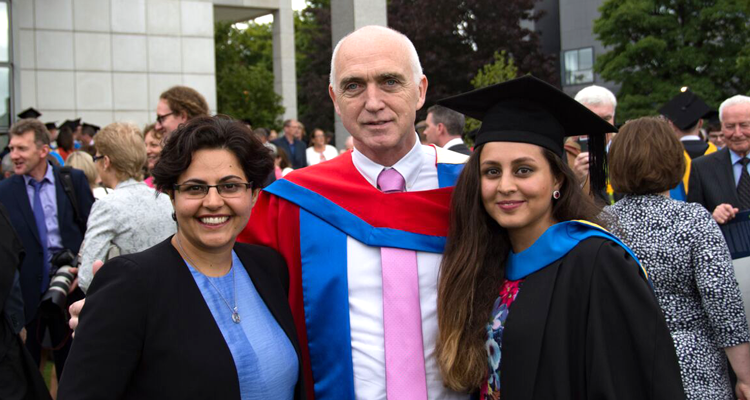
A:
(587, 326)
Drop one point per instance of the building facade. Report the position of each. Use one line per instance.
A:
(108, 60)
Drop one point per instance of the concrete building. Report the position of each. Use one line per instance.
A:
(578, 45)
(108, 60)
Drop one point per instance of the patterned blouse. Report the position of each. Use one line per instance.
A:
(494, 345)
(133, 216)
(685, 254)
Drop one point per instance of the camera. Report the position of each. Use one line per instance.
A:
(54, 300)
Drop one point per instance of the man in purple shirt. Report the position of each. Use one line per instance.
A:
(43, 215)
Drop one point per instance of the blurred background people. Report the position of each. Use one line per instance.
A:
(153, 138)
(720, 181)
(294, 148)
(687, 259)
(65, 144)
(319, 150)
(48, 222)
(685, 113)
(83, 161)
(133, 217)
(155, 322)
(444, 128)
(178, 105)
(7, 166)
(88, 131)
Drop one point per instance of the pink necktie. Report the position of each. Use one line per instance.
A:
(402, 317)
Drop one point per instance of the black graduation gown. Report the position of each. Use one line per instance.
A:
(588, 327)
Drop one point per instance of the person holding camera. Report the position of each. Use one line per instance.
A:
(134, 217)
(197, 315)
(48, 208)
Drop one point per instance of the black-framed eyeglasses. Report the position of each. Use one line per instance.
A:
(200, 190)
(160, 118)
(97, 158)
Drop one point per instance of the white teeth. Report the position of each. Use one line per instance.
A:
(214, 220)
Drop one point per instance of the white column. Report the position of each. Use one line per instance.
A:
(284, 68)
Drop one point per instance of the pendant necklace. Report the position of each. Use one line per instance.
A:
(235, 313)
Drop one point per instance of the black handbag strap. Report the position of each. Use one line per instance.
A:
(66, 176)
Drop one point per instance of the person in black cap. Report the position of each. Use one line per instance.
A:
(685, 113)
(88, 131)
(53, 131)
(584, 321)
(29, 113)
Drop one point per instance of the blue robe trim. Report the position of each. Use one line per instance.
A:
(325, 292)
(557, 241)
(351, 224)
(448, 174)
(678, 193)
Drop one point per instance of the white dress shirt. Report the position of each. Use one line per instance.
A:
(419, 170)
(453, 142)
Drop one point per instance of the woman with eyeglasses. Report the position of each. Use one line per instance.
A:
(197, 316)
(133, 217)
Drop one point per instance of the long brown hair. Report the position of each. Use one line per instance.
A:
(473, 268)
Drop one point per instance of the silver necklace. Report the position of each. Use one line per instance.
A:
(235, 313)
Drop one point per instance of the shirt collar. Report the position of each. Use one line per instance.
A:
(453, 142)
(408, 166)
(49, 176)
(734, 157)
(688, 138)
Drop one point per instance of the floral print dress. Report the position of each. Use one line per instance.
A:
(494, 344)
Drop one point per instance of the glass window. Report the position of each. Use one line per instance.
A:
(579, 66)
(6, 68)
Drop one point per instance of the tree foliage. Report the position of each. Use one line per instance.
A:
(498, 71)
(312, 32)
(658, 46)
(244, 74)
(455, 38)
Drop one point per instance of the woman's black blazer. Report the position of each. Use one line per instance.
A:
(146, 332)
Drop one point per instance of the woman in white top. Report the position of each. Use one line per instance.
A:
(320, 151)
(133, 217)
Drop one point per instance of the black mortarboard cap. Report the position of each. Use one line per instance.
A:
(685, 109)
(29, 113)
(51, 125)
(95, 128)
(71, 123)
(528, 110)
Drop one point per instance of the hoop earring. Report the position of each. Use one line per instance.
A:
(556, 194)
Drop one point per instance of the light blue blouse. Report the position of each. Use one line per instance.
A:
(267, 365)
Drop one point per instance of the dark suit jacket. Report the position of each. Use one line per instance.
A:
(712, 181)
(147, 333)
(299, 160)
(14, 197)
(460, 148)
(19, 374)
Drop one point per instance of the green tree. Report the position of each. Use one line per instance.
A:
(312, 35)
(501, 70)
(658, 46)
(244, 74)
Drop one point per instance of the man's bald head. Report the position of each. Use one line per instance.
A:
(374, 33)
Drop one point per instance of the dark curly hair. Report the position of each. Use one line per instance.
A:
(219, 132)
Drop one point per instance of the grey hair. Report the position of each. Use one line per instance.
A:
(416, 67)
(596, 95)
(453, 121)
(732, 101)
(7, 164)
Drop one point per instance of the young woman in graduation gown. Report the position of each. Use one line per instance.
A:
(535, 301)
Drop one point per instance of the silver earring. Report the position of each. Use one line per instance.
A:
(556, 194)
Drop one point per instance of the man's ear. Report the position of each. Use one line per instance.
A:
(332, 94)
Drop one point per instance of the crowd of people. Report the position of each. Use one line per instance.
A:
(554, 257)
